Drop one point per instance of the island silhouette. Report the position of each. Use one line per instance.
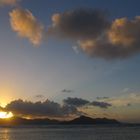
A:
(82, 120)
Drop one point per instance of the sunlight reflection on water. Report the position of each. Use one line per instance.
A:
(70, 133)
(5, 135)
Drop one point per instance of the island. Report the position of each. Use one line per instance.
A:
(82, 120)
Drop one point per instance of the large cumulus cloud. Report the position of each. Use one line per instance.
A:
(92, 31)
(96, 35)
(46, 108)
(120, 41)
(69, 107)
(26, 25)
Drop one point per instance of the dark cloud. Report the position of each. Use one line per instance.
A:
(39, 96)
(120, 41)
(103, 49)
(79, 23)
(101, 104)
(70, 107)
(96, 35)
(129, 104)
(67, 91)
(100, 98)
(46, 108)
(78, 102)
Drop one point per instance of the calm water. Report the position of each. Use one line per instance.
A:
(70, 133)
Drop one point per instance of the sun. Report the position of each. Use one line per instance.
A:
(6, 115)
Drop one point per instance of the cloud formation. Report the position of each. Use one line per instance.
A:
(26, 25)
(92, 31)
(46, 108)
(120, 41)
(39, 96)
(104, 105)
(8, 2)
(79, 23)
(124, 100)
(96, 35)
(78, 102)
(67, 91)
(100, 98)
(99, 48)
(70, 106)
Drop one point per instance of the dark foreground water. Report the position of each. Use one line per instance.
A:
(70, 133)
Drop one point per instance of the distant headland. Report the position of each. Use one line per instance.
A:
(82, 120)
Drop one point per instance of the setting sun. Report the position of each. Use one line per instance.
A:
(6, 115)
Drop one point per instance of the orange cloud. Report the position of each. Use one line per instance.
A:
(121, 40)
(125, 32)
(26, 25)
(8, 2)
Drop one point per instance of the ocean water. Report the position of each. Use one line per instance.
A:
(70, 133)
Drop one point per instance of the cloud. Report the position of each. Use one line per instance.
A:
(26, 25)
(124, 100)
(128, 104)
(101, 104)
(96, 35)
(76, 49)
(70, 106)
(67, 91)
(39, 96)
(46, 108)
(126, 90)
(125, 32)
(8, 2)
(92, 31)
(120, 41)
(100, 98)
(79, 23)
(103, 49)
(78, 102)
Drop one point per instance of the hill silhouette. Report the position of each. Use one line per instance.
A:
(88, 120)
(80, 120)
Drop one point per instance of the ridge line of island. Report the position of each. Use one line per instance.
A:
(82, 120)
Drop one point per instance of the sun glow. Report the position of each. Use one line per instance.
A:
(6, 115)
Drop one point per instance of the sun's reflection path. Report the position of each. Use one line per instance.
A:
(6, 134)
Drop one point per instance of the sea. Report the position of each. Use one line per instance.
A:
(80, 132)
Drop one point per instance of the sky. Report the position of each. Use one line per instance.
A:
(70, 57)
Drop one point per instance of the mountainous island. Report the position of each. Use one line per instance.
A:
(82, 120)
